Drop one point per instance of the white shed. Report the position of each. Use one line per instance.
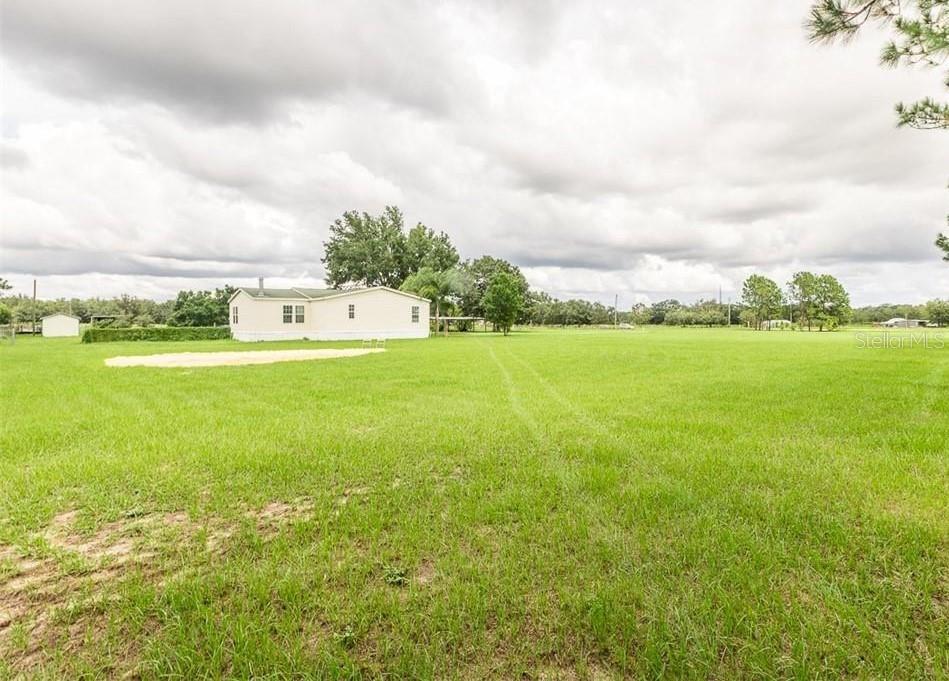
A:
(260, 313)
(55, 325)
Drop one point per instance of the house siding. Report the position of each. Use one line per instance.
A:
(379, 313)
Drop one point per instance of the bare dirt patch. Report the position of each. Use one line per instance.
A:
(213, 359)
(61, 568)
(425, 573)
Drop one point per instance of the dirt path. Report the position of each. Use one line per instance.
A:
(213, 359)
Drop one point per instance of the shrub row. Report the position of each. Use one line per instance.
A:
(156, 333)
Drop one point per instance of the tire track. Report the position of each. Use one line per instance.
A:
(515, 400)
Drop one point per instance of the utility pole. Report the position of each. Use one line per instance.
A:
(615, 309)
(729, 318)
(34, 308)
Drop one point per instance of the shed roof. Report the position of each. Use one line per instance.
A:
(60, 314)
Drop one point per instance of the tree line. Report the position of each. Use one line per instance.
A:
(189, 308)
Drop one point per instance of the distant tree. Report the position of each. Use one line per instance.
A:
(762, 298)
(198, 308)
(679, 316)
(425, 248)
(5, 285)
(659, 310)
(502, 301)
(702, 313)
(577, 313)
(938, 312)
(5, 314)
(537, 307)
(480, 271)
(921, 32)
(557, 312)
(880, 313)
(366, 250)
(222, 299)
(639, 314)
(708, 313)
(747, 317)
(439, 287)
(802, 292)
(832, 303)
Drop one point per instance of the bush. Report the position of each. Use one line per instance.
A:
(166, 333)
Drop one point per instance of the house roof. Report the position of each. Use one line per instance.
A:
(297, 293)
(324, 292)
(271, 292)
(312, 293)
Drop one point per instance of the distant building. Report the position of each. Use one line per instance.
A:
(901, 323)
(57, 325)
(326, 314)
(776, 324)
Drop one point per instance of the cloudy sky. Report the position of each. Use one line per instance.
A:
(652, 149)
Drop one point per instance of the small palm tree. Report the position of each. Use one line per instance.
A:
(437, 286)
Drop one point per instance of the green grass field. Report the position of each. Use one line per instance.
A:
(575, 504)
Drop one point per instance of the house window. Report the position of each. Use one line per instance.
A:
(415, 314)
(299, 315)
(352, 311)
(234, 315)
(288, 314)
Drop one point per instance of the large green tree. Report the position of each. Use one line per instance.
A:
(920, 31)
(366, 250)
(762, 298)
(425, 248)
(938, 311)
(374, 250)
(832, 303)
(502, 301)
(480, 273)
(439, 287)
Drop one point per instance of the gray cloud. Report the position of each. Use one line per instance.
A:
(608, 147)
(230, 62)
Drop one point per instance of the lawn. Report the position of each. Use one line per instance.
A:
(552, 504)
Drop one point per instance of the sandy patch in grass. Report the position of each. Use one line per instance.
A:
(214, 359)
(57, 586)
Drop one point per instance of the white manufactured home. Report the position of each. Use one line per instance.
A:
(59, 325)
(259, 314)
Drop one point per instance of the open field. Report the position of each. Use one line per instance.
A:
(576, 504)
